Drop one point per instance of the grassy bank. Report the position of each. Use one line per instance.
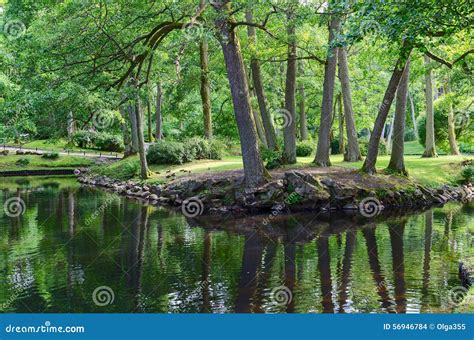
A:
(11, 162)
(431, 172)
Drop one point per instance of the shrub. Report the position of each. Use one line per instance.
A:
(200, 148)
(23, 162)
(409, 135)
(467, 173)
(334, 146)
(273, 158)
(50, 155)
(304, 149)
(216, 149)
(167, 152)
(364, 142)
(84, 139)
(108, 142)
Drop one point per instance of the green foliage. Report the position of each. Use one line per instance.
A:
(304, 149)
(364, 142)
(50, 155)
(97, 140)
(467, 173)
(409, 135)
(169, 152)
(272, 157)
(122, 170)
(23, 162)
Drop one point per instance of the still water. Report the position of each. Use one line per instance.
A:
(73, 249)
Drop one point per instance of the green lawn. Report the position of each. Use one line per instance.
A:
(8, 163)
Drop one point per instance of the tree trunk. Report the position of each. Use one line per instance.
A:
(289, 129)
(373, 147)
(302, 114)
(390, 134)
(205, 88)
(254, 170)
(322, 151)
(352, 153)
(127, 139)
(133, 124)
(144, 172)
(453, 145)
(70, 125)
(341, 125)
(256, 118)
(267, 121)
(430, 148)
(397, 163)
(159, 118)
(149, 127)
(412, 110)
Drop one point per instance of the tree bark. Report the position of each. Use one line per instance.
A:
(373, 147)
(302, 113)
(412, 110)
(144, 171)
(341, 124)
(289, 129)
(159, 118)
(256, 118)
(453, 145)
(254, 170)
(133, 124)
(390, 134)
(149, 127)
(322, 151)
(430, 147)
(127, 139)
(205, 88)
(267, 121)
(397, 163)
(352, 153)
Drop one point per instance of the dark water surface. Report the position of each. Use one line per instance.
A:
(71, 241)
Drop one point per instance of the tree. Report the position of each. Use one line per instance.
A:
(289, 129)
(267, 121)
(159, 118)
(254, 171)
(430, 148)
(353, 151)
(397, 163)
(205, 88)
(302, 108)
(323, 148)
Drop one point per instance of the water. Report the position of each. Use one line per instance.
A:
(71, 241)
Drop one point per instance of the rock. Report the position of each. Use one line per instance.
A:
(351, 206)
(153, 197)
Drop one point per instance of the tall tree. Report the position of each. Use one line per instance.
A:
(159, 118)
(254, 170)
(341, 123)
(373, 147)
(151, 138)
(289, 129)
(322, 151)
(352, 153)
(430, 148)
(397, 163)
(301, 107)
(453, 145)
(267, 121)
(205, 88)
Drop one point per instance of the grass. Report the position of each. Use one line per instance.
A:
(427, 171)
(8, 163)
(60, 145)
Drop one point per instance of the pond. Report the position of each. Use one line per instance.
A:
(66, 248)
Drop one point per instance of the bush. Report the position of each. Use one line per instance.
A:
(200, 148)
(97, 140)
(167, 152)
(273, 158)
(108, 142)
(216, 149)
(364, 142)
(409, 135)
(23, 162)
(304, 149)
(467, 173)
(334, 146)
(50, 155)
